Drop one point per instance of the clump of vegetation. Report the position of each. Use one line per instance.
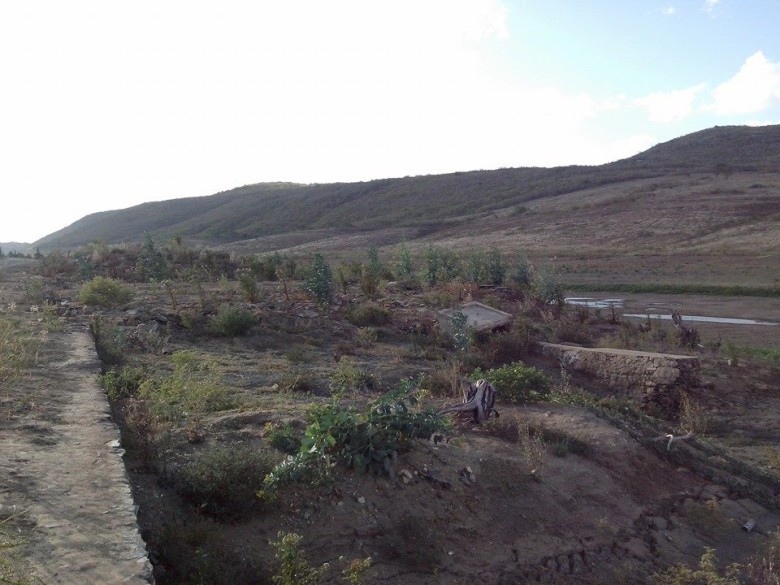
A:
(319, 281)
(367, 440)
(222, 480)
(192, 388)
(707, 573)
(122, 382)
(102, 291)
(230, 321)
(283, 437)
(248, 285)
(367, 314)
(18, 347)
(349, 377)
(110, 342)
(294, 569)
(516, 382)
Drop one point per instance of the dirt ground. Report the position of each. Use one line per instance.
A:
(604, 503)
(63, 488)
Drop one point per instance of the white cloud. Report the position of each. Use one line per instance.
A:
(669, 11)
(669, 106)
(755, 88)
(709, 6)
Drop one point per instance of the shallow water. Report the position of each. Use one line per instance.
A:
(700, 319)
(595, 303)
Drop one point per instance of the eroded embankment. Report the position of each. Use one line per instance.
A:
(63, 475)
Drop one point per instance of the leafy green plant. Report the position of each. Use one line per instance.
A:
(151, 263)
(248, 285)
(294, 568)
(230, 321)
(522, 273)
(105, 292)
(547, 286)
(283, 437)
(221, 480)
(364, 441)
(319, 281)
(516, 382)
(122, 382)
(496, 268)
(404, 270)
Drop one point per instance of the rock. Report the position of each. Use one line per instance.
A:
(638, 549)
(659, 523)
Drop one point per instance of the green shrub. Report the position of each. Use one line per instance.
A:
(192, 388)
(249, 287)
(319, 281)
(283, 437)
(364, 441)
(110, 342)
(516, 382)
(294, 568)
(122, 382)
(230, 321)
(349, 377)
(105, 292)
(367, 314)
(547, 286)
(222, 480)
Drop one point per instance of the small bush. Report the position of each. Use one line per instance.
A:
(105, 292)
(110, 342)
(367, 314)
(230, 321)
(516, 382)
(192, 388)
(122, 382)
(319, 280)
(366, 336)
(249, 287)
(222, 480)
(283, 437)
(349, 377)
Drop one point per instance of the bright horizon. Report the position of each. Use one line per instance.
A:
(109, 105)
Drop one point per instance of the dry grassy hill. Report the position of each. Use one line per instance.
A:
(706, 190)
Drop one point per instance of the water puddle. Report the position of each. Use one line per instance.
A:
(595, 303)
(700, 319)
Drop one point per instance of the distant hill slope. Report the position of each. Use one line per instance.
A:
(421, 204)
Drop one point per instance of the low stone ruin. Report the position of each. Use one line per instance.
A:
(655, 380)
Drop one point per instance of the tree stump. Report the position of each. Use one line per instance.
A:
(478, 399)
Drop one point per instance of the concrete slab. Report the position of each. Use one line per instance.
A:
(479, 317)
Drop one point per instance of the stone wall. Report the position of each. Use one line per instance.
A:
(655, 380)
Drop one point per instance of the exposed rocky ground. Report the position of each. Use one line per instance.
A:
(583, 488)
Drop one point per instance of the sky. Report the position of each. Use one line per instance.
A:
(107, 104)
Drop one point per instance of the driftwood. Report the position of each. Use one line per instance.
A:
(688, 335)
(478, 399)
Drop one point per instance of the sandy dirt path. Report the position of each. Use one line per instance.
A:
(61, 470)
